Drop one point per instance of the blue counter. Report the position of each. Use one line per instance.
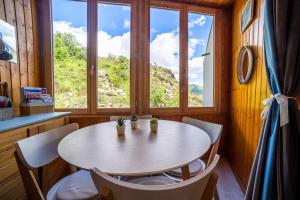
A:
(19, 122)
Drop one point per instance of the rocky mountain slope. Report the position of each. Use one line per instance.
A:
(113, 79)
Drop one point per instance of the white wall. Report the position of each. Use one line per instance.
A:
(208, 72)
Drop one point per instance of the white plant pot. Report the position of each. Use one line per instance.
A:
(134, 124)
(120, 130)
(153, 127)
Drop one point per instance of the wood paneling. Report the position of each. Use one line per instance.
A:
(26, 72)
(214, 3)
(246, 100)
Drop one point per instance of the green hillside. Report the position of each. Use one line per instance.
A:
(113, 79)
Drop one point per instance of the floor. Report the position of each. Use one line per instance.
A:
(228, 187)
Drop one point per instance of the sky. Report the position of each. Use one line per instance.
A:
(114, 33)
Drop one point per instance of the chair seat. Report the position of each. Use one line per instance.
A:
(77, 186)
(153, 180)
(195, 168)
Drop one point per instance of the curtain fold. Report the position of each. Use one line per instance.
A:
(275, 171)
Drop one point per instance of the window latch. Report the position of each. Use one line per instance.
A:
(92, 70)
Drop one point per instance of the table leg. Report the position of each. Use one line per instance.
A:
(185, 172)
(72, 168)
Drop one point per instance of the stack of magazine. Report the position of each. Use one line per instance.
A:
(35, 96)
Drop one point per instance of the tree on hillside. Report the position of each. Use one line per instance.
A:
(66, 46)
(70, 69)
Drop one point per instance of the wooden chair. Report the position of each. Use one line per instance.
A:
(214, 131)
(199, 187)
(40, 150)
(115, 118)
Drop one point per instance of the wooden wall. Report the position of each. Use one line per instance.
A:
(246, 100)
(20, 14)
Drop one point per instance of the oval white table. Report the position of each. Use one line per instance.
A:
(139, 152)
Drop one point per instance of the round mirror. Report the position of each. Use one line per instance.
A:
(245, 64)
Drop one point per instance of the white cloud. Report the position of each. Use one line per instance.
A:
(125, 7)
(199, 21)
(107, 44)
(117, 45)
(192, 46)
(196, 69)
(202, 42)
(153, 30)
(193, 76)
(196, 64)
(164, 48)
(193, 42)
(80, 33)
(126, 23)
(164, 51)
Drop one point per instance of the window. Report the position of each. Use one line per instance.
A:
(70, 53)
(200, 60)
(164, 58)
(118, 57)
(113, 56)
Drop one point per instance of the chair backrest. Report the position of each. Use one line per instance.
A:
(39, 150)
(127, 117)
(213, 130)
(199, 187)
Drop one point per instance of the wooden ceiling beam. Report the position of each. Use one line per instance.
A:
(209, 3)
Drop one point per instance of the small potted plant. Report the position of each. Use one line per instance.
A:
(134, 120)
(121, 126)
(153, 125)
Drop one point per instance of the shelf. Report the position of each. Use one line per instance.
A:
(19, 122)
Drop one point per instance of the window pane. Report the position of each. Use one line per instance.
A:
(164, 58)
(113, 56)
(70, 55)
(201, 60)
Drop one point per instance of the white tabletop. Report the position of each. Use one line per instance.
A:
(139, 152)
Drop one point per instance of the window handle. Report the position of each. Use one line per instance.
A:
(92, 70)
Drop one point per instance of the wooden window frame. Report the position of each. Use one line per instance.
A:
(184, 9)
(140, 59)
(72, 110)
(133, 61)
(92, 64)
(147, 109)
(217, 60)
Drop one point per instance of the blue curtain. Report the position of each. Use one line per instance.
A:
(275, 172)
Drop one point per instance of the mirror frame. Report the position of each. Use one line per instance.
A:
(242, 56)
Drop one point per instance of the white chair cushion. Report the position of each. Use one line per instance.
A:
(195, 168)
(51, 195)
(77, 186)
(153, 180)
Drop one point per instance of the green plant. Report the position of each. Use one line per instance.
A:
(154, 121)
(121, 121)
(134, 118)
